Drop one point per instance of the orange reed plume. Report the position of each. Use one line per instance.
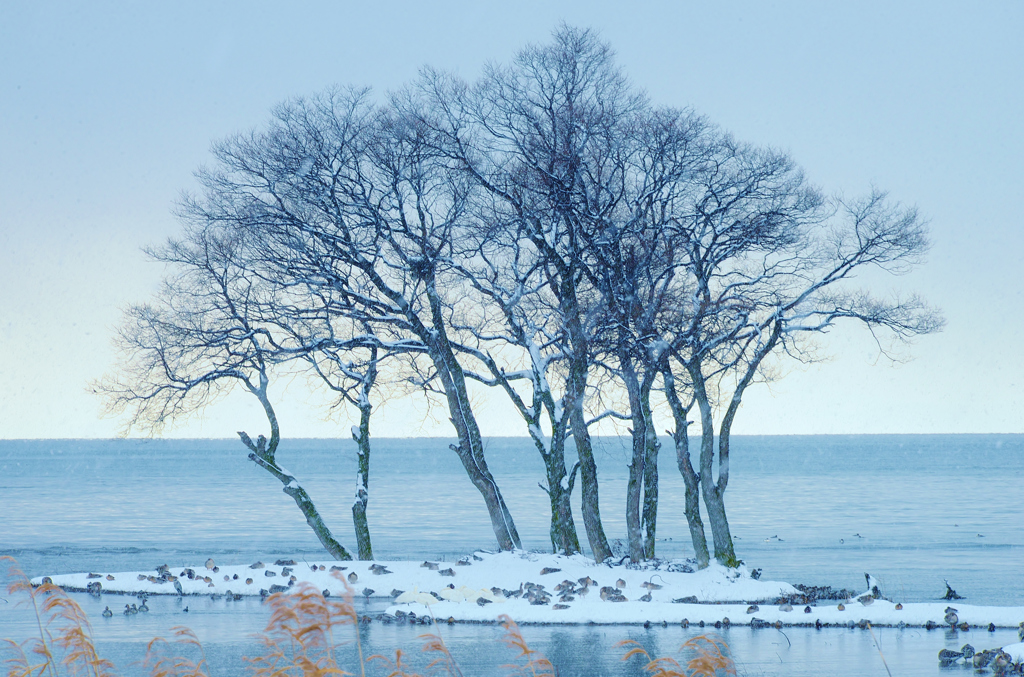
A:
(162, 662)
(300, 636)
(536, 665)
(708, 660)
(65, 635)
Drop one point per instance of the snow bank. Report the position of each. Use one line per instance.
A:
(475, 589)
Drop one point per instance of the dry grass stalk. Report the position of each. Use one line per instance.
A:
(64, 631)
(162, 663)
(299, 641)
(397, 667)
(709, 659)
(536, 665)
(300, 636)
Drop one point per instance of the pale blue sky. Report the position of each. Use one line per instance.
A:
(107, 108)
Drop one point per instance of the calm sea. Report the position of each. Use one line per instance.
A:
(914, 511)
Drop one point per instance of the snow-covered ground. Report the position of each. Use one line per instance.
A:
(476, 589)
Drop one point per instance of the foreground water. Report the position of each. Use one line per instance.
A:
(912, 510)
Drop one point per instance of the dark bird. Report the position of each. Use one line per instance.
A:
(946, 656)
(143, 606)
(645, 598)
(185, 610)
(753, 608)
(107, 613)
(968, 651)
(368, 592)
(950, 592)
(353, 577)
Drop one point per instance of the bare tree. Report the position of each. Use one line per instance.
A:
(506, 273)
(770, 260)
(346, 358)
(542, 139)
(203, 337)
(339, 195)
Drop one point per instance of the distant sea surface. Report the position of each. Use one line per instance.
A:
(911, 510)
(914, 511)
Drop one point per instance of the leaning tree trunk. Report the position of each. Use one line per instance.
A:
(649, 517)
(691, 483)
(263, 455)
(361, 435)
(470, 447)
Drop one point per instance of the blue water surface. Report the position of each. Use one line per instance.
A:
(914, 511)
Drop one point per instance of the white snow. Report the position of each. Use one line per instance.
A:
(720, 592)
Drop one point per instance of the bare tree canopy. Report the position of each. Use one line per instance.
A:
(546, 231)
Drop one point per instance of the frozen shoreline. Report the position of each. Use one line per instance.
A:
(474, 590)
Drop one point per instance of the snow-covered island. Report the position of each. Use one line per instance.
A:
(551, 589)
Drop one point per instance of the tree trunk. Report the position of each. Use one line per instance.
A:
(713, 498)
(589, 500)
(649, 517)
(691, 482)
(361, 436)
(264, 455)
(470, 452)
(563, 535)
(292, 487)
(634, 485)
(577, 388)
(470, 447)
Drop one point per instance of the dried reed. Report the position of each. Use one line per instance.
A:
(64, 645)
(162, 662)
(300, 640)
(708, 660)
